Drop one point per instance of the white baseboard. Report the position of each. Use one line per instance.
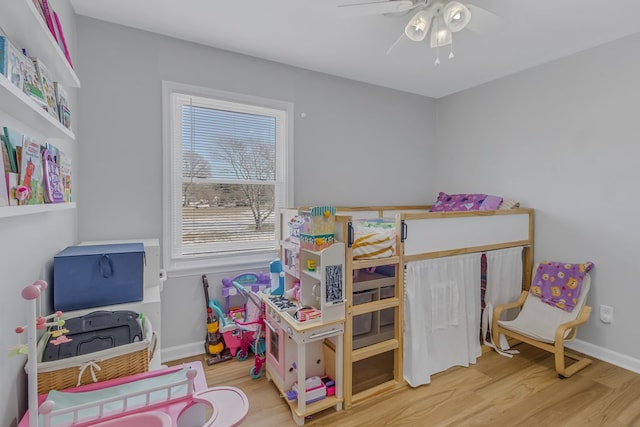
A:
(605, 355)
(181, 351)
(194, 349)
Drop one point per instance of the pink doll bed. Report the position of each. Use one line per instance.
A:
(170, 397)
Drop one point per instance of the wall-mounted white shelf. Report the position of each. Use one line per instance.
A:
(25, 28)
(21, 106)
(22, 24)
(7, 211)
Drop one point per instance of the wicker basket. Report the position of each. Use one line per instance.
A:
(102, 365)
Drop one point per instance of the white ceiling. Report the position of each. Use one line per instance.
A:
(315, 35)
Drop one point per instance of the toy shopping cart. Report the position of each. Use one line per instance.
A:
(250, 322)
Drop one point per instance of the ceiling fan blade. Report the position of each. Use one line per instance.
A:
(484, 21)
(376, 7)
(395, 43)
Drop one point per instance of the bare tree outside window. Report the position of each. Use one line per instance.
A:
(194, 166)
(254, 161)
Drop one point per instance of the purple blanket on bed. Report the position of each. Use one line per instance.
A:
(559, 284)
(465, 202)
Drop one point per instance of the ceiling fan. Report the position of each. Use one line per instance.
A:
(441, 17)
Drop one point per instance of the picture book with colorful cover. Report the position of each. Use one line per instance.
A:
(19, 159)
(38, 6)
(13, 67)
(61, 38)
(53, 187)
(64, 112)
(48, 17)
(6, 161)
(32, 85)
(4, 194)
(48, 89)
(31, 171)
(65, 175)
(12, 140)
(3, 55)
(11, 179)
(55, 151)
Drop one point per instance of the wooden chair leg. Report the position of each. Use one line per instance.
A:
(564, 371)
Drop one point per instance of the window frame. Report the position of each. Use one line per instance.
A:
(175, 264)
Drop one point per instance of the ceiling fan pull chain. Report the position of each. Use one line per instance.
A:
(451, 55)
(437, 56)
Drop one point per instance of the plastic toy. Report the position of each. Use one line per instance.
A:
(22, 193)
(254, 281)
(317, 231)
(214, 345)
(252, 329)
(315, 390)
(294, 292)
(170, 397)
(31, 293)
(277, 277)
(296, 224)
(130, 400)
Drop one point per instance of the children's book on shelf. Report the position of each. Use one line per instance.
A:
(32, 85)
(19, 159)
(65, 175)
(53, 188)
(12, 140)
(11, 180)
(6, 160)
(48, 17)
(38, 5)
(55, 151)
(4, 190)
(11, 59)
(4, 196)
(60, 35)
(3, 55)
(64, 113)
(48, 89)
(31, 171)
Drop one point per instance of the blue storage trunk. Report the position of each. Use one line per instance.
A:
(97, 275)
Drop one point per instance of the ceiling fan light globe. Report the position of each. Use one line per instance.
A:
(441, 37)
(456, 16)
(419, 25)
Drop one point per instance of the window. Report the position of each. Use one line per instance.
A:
(225, 176)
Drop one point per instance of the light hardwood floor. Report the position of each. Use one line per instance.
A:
(497, 391)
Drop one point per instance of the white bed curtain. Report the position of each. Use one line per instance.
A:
(442, 316)
(504, 283)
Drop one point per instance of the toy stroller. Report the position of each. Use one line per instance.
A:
(250, 321)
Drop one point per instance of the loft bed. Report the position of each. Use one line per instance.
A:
(421, 232)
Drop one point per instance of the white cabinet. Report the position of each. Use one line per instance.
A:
(23, 26)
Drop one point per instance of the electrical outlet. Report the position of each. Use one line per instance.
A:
(606, 313)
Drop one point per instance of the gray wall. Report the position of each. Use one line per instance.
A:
(357, 144)
(563, 139)
(27, 246)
